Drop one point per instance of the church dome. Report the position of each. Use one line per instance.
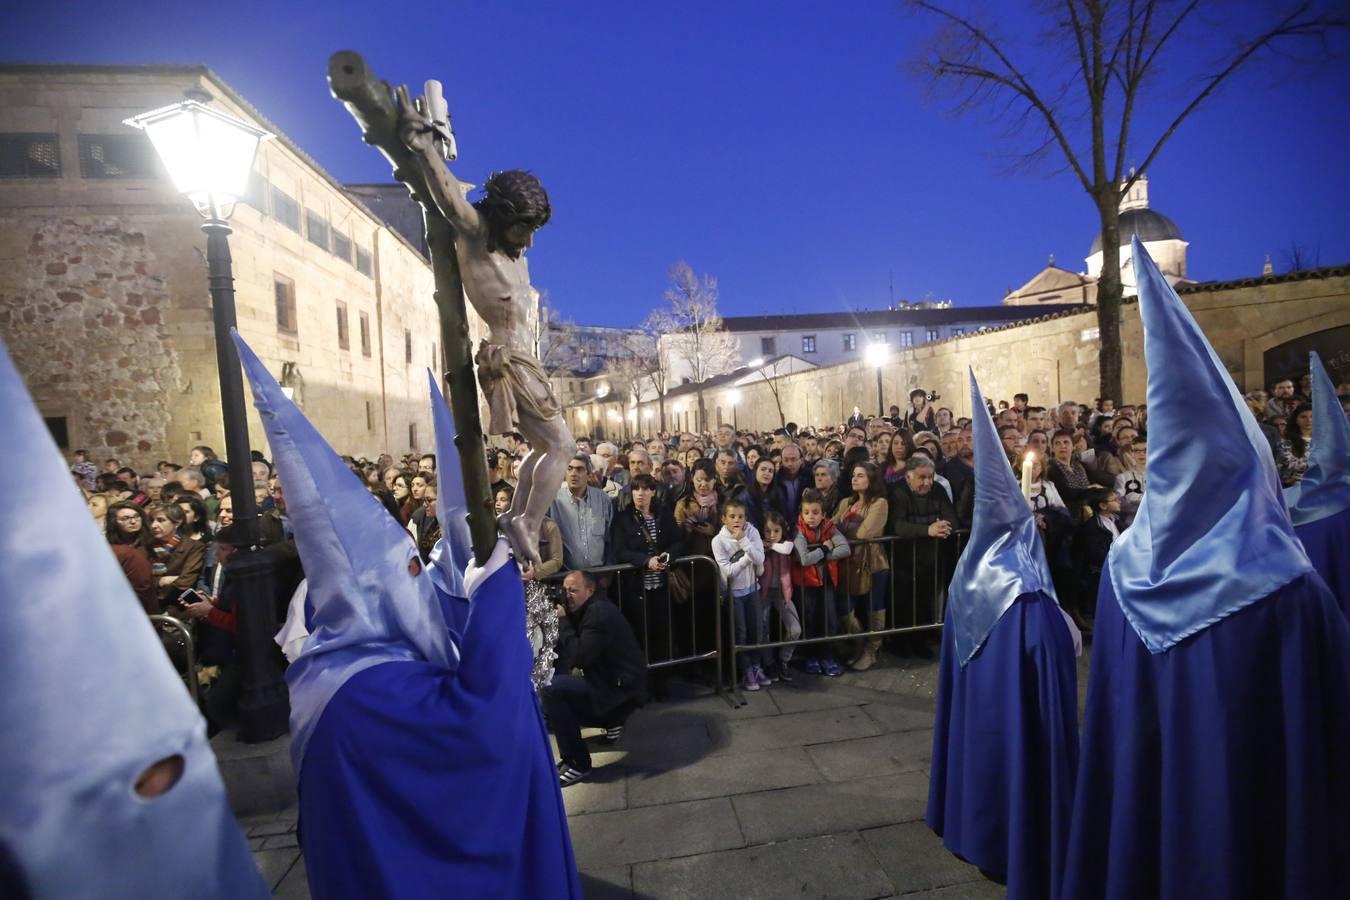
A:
(1149, 224)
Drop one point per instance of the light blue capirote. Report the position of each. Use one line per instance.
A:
(89, 700)
(1212, 535)
(1325, 488)
(1004, 558)
(452, 554)
(371, 605)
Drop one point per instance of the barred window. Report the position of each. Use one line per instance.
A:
(117, 156)
(365, 334)
(342, 246)
(906, 339)
(808, 343)
(344, 337)
(407, 347)
(30, 156)
(363, 260)
(932, 334)
(255, 193)
(850, 341)
(285, 209)
(285, 296)
(316, 229)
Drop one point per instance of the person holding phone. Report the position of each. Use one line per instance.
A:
(645, 536)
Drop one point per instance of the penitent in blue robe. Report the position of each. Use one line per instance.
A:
(1217, 768)
(423, 767)
(1005, 746)
(1327, 542)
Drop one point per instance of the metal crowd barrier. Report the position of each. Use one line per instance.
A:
(672, 633)
(165, 623)
(937, 569)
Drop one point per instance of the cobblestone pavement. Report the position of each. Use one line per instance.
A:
(814, 789)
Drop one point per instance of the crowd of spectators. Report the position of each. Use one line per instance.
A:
(808, 532)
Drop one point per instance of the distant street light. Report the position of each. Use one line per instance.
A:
(877, 355)
(209, 156)
(735, 397)
(756, 362)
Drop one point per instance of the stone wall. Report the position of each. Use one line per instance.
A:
(1055, 359)
(87, 326)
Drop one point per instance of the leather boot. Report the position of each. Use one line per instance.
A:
(849, 650)
(871, 646)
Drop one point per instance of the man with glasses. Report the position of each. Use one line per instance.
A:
(582, 513)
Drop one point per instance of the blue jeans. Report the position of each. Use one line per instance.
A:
(749, 610)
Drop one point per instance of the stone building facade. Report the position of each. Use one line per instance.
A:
(1261, 328)
(103, 284)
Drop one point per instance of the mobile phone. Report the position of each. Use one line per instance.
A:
(191, 595)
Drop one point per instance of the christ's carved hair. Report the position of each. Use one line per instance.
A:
(512, 197)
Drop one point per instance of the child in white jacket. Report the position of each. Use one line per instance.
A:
(740, 556)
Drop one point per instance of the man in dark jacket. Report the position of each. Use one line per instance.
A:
(923, 515)
(792, 479)
(593, 636)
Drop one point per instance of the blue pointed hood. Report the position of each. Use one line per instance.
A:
(1212, 535)
(89, 700)
(1325, 488)
(368, 606)
(1004, 558)
(454, 550)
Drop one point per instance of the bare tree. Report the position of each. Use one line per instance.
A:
(1112, 53)
(643, 363)
(1299, 259)
(558, 341)
(693, 330)
(771, 382)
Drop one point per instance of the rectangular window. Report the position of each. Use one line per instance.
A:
(59, 430)
(342, 246)
(24, 155)
(316, 229)
(117, 156)
(255, 192)
(768, 346)
(434, 365)
(932, 334)
(363, 261)
(285, 294)
(956, 332)
(285, 210)
(906, 339)
(808, 343)
(412, 435)
(365, 334)
(881, 337)
(407, 347)
(344, 334)
(370, 416)
(850, 341)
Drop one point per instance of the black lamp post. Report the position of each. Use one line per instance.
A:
(209, 156)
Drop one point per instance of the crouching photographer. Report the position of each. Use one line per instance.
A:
(594, 637)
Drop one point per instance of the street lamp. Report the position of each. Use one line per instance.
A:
(209, 156)
(734, 396)
(877, 355)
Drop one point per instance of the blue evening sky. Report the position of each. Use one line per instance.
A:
(779, 146)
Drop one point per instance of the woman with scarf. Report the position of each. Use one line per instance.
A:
(1067, 473)
(699, 516)
(176, 558)
(644, 535)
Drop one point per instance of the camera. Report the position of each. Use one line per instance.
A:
(933, 396)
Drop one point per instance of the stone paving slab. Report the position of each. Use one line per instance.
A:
(654, 832)
(894, 717)
(915, 860)
(274, 864)
(799, 729)
(832, 866)
(976, 890)
(723, 776)
(833, 807)
(607, 883)
(885, 754)
(810, 692)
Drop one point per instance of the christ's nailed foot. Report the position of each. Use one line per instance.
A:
(524, 544)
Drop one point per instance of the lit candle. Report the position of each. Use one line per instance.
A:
(1027, 460)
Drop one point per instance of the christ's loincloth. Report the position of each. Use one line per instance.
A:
(514, 384)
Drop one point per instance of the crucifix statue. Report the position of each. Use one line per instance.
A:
(478, 251)
(491, 237)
